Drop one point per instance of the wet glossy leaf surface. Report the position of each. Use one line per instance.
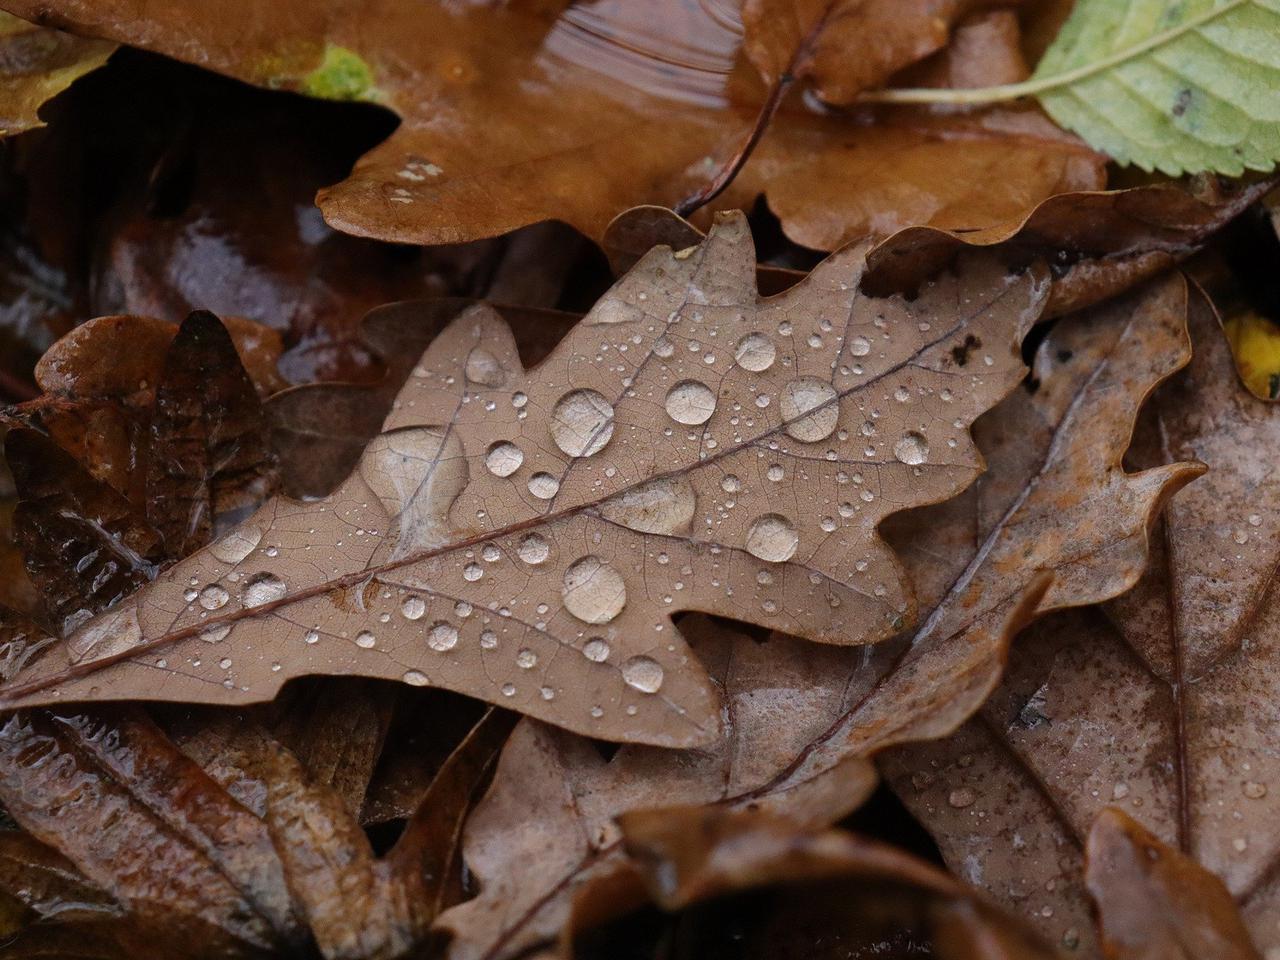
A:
(630, 108)
(528, 599)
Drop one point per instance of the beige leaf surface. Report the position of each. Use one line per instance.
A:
(797, 726)
(1168, 711)
(524, 537)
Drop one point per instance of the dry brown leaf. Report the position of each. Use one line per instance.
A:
(799, 720)
(38, 64)
(742, 450)
(590, 108)
(829, 895)
(1168, 715)
(1155, 903)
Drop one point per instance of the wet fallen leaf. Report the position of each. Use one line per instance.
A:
(1105, 242)
(629, 108)
(100, 385)
(37, 65)
(755, 886)
(485, 541)
(1155, 903)
(800, 724)
(1166, 713)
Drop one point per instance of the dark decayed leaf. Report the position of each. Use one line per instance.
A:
(754, 886)
(209, 453)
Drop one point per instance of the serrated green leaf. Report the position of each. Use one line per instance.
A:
(1179, 86)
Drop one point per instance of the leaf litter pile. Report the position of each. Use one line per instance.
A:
(682, 480)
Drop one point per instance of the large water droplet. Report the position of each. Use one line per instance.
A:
(806, 394)
(415, 678)
(594, 591)
(961, 798)
(859, 346)
(413, 608)
(582, 423)
(533, 549)
(912, 449)
(503, 458)
(482, 367)
(365, 640)
(214, 597)
(112, 632)
(215, 633)
(543, 486)
(596, 650)
(665, 506)
(642, 673)
(755, 352)
(263, 588)
(772, 537)
(691, 402)
(442, 636)
(237, 544)
(526, 659)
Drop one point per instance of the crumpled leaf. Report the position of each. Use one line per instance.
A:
(86, 546)
(1166, 713)
(1155, 903)
(760, 886)
(39, 64)
(486, 541)
(630, 105)
(210, 456)
(183, 450)
(799, 724)
(100, 384)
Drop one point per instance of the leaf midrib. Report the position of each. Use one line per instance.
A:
(1034, 86)
(14, 692)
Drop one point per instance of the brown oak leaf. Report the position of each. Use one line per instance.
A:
(524, 537)
(800, 722)
(1166, 710)
(591, 108)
